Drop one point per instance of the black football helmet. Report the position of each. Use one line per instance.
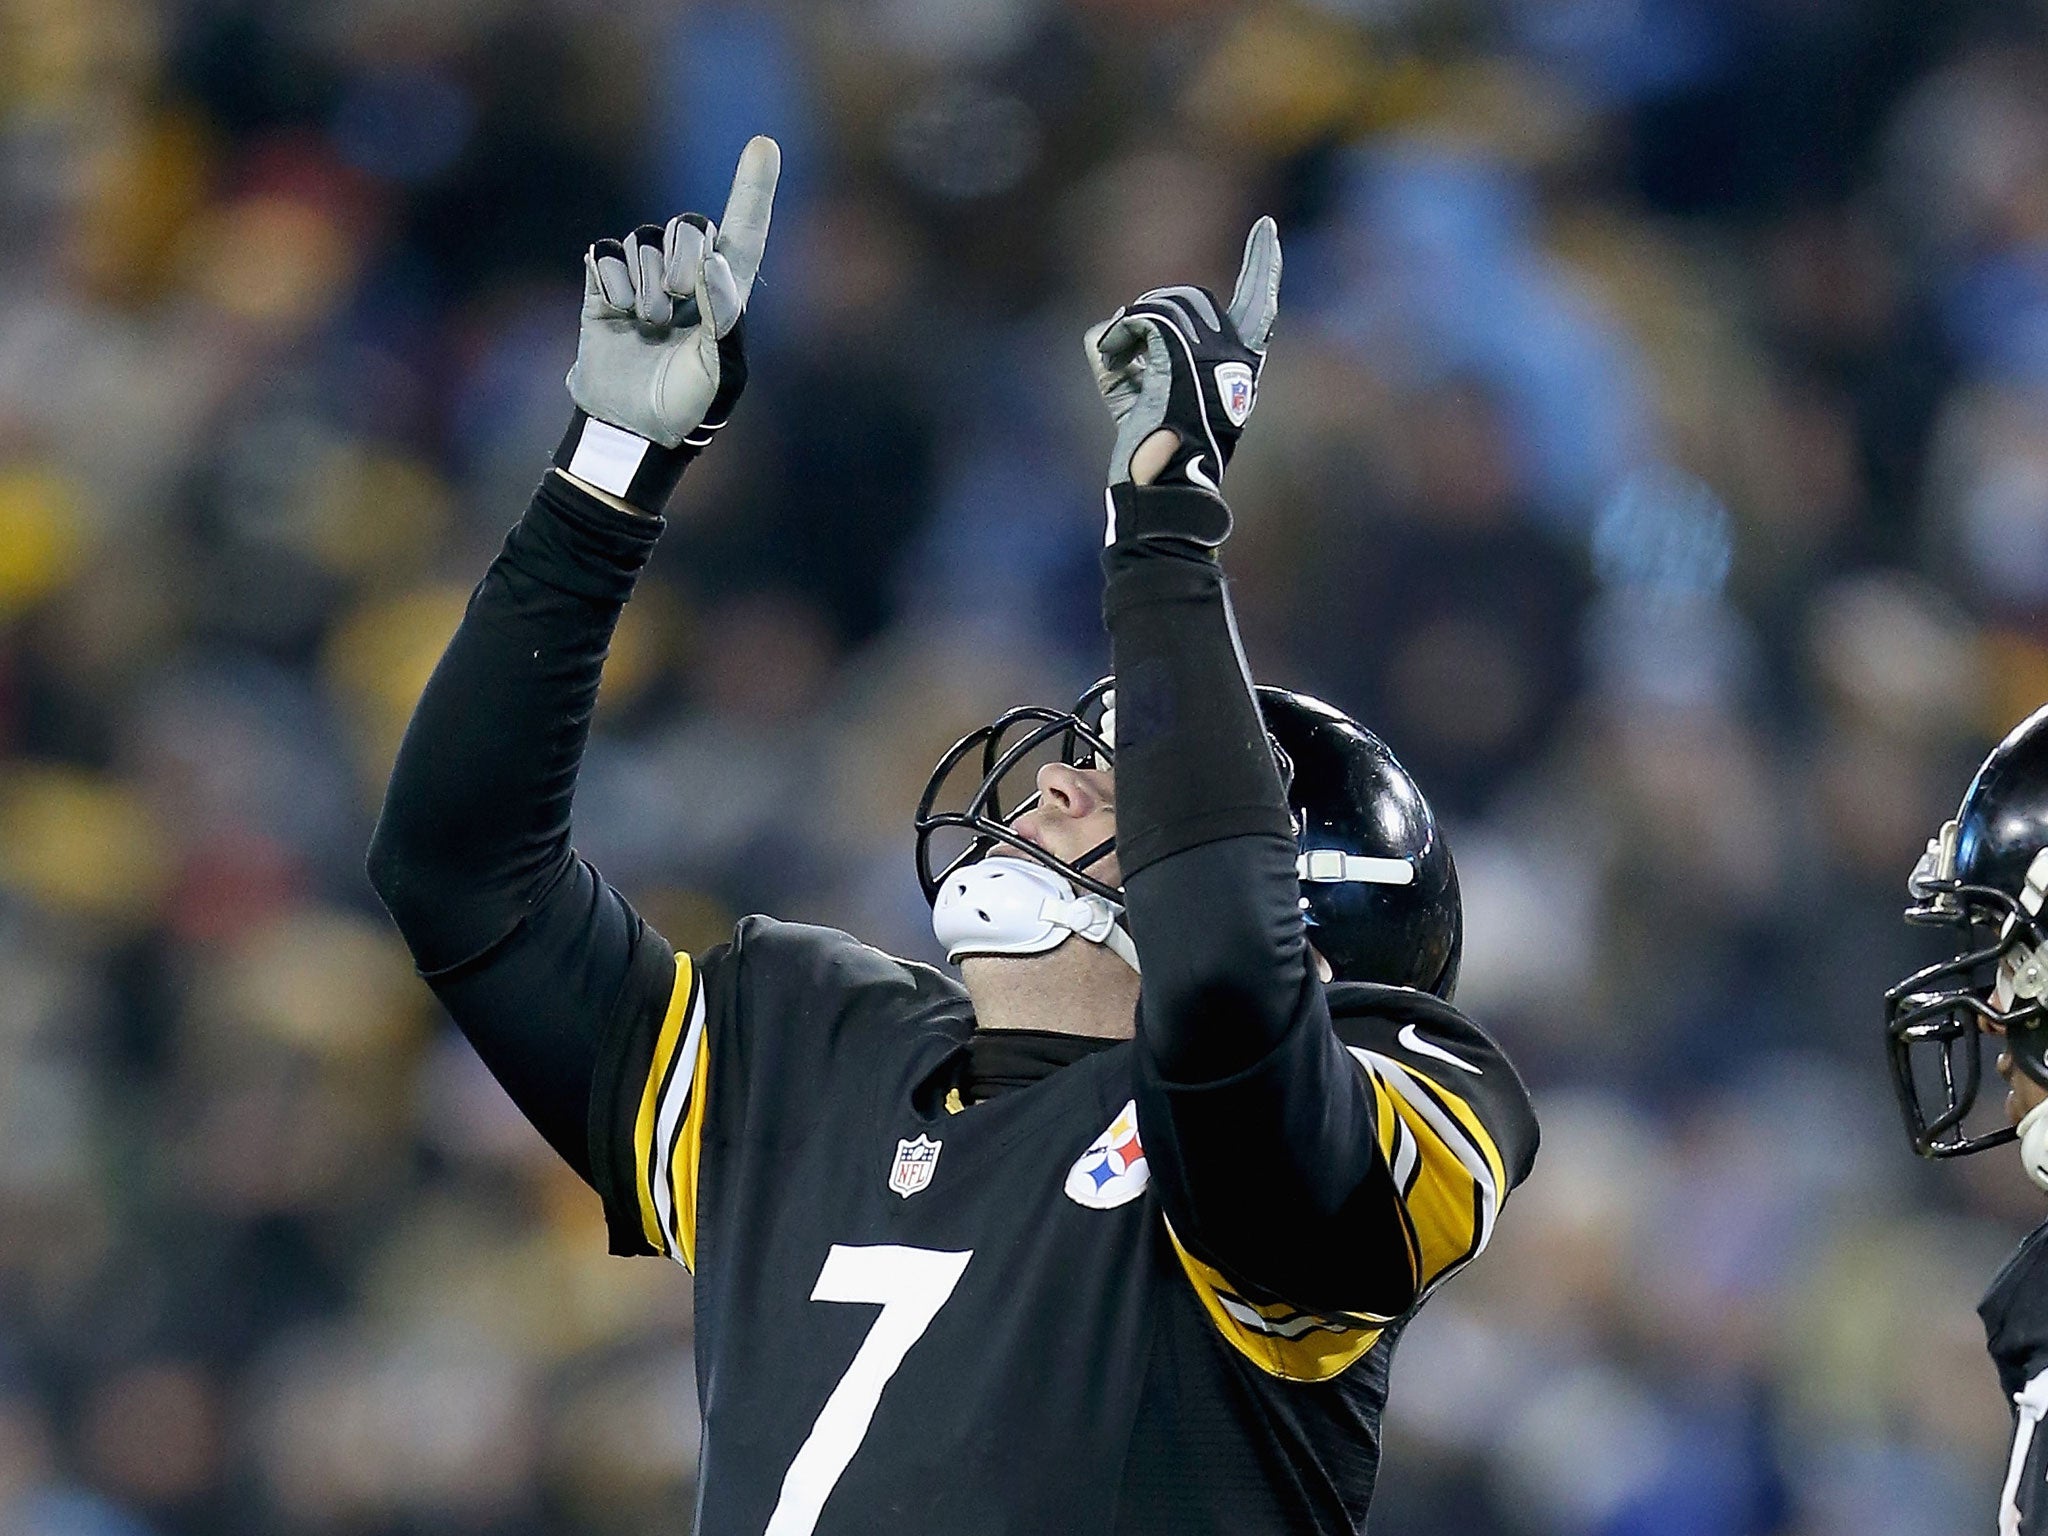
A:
(1379, 892)
(1985, 875)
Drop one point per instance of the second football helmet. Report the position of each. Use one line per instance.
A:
(1379, 891)
(1985, 875)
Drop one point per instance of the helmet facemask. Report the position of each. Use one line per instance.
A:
(982, 832)
(1019, 741)
(1936, 1018)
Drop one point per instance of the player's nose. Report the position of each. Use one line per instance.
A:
(1067, 789)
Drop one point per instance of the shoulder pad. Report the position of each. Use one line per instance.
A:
(805, 949)
(1351, 999)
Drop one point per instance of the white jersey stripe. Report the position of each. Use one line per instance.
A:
(675, 1104)
(1401, 1082)
(2032, 1401)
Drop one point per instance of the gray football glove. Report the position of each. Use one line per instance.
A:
(1171, 360)
(661, 358)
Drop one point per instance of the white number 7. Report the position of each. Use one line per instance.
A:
(910, 1285)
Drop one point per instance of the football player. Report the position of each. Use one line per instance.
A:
(1060, 1246)
(1985, 875)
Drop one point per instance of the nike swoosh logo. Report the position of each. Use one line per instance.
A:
(1194, 473)
(1411, 1039)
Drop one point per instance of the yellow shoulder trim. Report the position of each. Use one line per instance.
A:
(669, 1128)
(1443, 1204)
(1475, 1128)
(1280, 1340)
(1447, 1168)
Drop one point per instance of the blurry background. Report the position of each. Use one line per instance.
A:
(1655, 452)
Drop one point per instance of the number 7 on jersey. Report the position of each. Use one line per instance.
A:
(910, 1285)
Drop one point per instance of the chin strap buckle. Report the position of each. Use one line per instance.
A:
(1088, 916)
(1093, 918)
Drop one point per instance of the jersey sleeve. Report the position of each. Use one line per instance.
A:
(1454, 1124)
(648, 1104)
(1418, 1127)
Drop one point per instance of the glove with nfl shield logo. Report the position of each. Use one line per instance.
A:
(662, 356)
(1176, 361)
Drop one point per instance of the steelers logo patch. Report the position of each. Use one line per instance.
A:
(1112, 1171)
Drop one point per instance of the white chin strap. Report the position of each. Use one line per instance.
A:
(1010, 906)
(2034, 1143)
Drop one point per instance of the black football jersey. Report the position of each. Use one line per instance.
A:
(915, 1313)
(2015, 1313)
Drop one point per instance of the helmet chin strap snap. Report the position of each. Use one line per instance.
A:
(1012, 906)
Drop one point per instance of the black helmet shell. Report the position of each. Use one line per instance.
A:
(2002, 825)
(1350, 795)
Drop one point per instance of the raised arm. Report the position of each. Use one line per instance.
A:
(1274, 1145)
(528, 948)
(1203, 827)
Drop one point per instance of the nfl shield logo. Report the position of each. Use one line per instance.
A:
(913, 1167)
(1112, 1171)
(1234, 388)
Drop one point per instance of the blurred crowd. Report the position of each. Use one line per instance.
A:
(1654, 451)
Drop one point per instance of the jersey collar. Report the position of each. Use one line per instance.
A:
(999, 1060)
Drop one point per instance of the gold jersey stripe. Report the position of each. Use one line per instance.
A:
(1443, 1204)
(651, 1093)
(1388, 1120)
(1320, 1347)
(689, 1148)
(1449, 1115)
(1454, 1191)
(668, 1131)
(1473, 1126)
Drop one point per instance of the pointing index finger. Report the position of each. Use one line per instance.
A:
(743, 231)
(1257, 298)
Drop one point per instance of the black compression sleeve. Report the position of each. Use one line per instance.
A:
(524, 944)
(476, 821)
(1220, 935)
(1192, 760)
(1227, 970)
(1236, 1048)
